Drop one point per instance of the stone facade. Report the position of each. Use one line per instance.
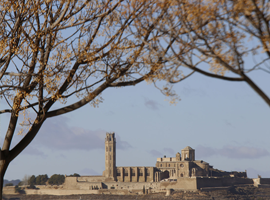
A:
(179, 172)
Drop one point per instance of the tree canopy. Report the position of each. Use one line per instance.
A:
(41, 179)
(223, 39)
(56, 179)
(51, 51)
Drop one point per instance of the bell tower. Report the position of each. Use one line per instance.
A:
(110, 156)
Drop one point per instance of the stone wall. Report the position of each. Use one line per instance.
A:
(258, 181)
(221, 182)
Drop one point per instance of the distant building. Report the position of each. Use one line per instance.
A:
(182, 165)
(179, 172)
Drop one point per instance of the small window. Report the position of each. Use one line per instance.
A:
(181, 165)
(125, 172)
(169, 165)
(160, 165)
(118, 173)
(110, 149)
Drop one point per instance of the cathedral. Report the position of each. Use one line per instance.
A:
(171, 168)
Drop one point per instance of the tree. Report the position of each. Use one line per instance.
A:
(75, 175)
(216, 38)
(42, 179)
(25, 180)
(32, 180)
(56, 179)
(9, 184)
(51, 51)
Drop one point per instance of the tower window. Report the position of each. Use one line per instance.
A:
(110, 149)
(125, 172)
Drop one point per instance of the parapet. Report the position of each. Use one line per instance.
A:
(110, 137)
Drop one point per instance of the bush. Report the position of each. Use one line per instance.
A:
(75, 175)
(9, 184)
(56, 179)
(20, 183)
(31, 187)
(19, 190)
(41, 179)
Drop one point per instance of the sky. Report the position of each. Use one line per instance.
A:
(226, 123)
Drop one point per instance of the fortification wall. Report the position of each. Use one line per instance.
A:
(264, 180)
(208, 182)
(258, 181)
(184, 183)
(236, 181)
(91, 179)
(221, 182)
(59, 192)
(85, 182)
(133, 186)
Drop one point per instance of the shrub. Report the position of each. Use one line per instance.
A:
(56, 179)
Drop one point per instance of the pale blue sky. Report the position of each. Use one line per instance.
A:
(226, 123)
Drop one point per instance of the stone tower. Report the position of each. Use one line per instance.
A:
(188, 154)
(178, 156)
(110, 156)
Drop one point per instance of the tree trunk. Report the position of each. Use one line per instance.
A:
(3, 167)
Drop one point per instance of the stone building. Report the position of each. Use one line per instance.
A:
(179, 172)
(182, 165)
(123, 174)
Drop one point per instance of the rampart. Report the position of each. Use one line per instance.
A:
(203, 182)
